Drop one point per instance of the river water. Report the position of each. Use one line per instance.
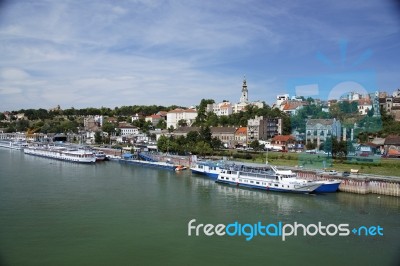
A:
(61, 213)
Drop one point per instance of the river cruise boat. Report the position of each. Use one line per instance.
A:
(208, 168)
(64, 153)
(13, 144)
(273, 180)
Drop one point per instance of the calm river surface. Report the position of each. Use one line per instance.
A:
(60, 213)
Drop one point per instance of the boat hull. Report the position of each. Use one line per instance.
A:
(212, 176)
(161, 165)
(328, 187)
(308, 189)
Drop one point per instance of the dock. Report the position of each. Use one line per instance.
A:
(359, 183)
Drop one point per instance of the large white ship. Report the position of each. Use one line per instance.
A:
(274, 180)
(64, 153)
(13, 144)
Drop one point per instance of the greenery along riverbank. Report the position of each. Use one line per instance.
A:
(378, 166)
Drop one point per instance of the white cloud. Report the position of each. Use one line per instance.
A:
(13, 74)
(94, 53)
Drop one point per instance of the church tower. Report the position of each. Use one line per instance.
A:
(244, 98)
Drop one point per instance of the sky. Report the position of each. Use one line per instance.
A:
(82, 53)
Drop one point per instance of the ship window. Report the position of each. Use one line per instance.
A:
(276, 185)
(251, 182)
(257, 183)
(222, 177)
(227, 178)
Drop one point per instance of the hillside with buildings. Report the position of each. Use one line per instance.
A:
(292, 123)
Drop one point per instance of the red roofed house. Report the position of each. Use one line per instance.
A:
(364, 105)
(292, 107)
(241, 136)
(224, 108)
(154, 119)
(285, 142)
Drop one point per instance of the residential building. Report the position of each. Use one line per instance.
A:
(292, 107)
(225, 134)
(280, 99)
(174, 116)
(261, 128)
(392, 146)
(92, 123)
(391, 104)
(364, 105)
(127, 129)
(241, 136)
(318, 130)
(183, 131)
(153, 119)
(112, 120)
(220, 109)
(284, 142)
(137, 116)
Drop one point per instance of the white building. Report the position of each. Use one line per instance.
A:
(364, 105)
(220, 109)
(173, 117)
(280, 99)
(128, 130)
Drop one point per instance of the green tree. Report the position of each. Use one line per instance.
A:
(98, 139)
(162, 124)
(162, 143)
(192, 137)
(108, 127)
(203, 148)
(182, 123)
(202, 111)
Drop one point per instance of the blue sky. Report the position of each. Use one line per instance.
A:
(113, 53)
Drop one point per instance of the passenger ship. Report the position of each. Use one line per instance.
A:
(64, 153)
(273, 179)
(207, 168)
(13, 144)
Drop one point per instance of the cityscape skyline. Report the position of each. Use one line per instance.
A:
(91, 54)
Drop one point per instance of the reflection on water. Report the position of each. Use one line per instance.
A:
(61, 213)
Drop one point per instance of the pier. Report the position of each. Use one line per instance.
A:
(359, 183)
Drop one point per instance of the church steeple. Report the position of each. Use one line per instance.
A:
(244, 97)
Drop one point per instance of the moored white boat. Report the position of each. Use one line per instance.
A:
(13, 144)
(100, 155)
(71, 154)
(282, 181)
(207, 168)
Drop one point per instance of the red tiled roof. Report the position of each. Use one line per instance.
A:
(283, 138)
(154, 116)
(179, 110)
(241, 130)
(364, 102)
